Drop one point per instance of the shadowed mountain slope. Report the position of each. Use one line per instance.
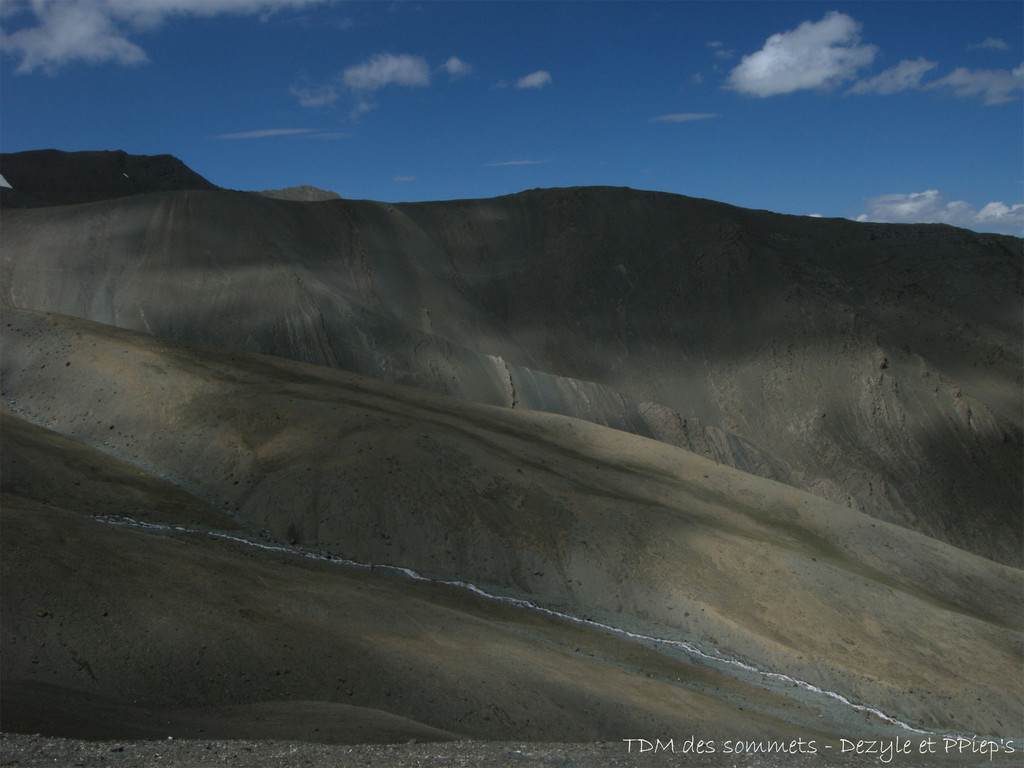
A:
(51, 177)
(629, 531)
(876, 366)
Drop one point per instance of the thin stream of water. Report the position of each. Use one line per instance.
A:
(687, 647)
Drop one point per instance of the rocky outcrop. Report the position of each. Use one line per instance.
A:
(303, 193)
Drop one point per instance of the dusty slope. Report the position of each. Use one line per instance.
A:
(143, 633)
(113, 633)
(877, 366)
(623, 529)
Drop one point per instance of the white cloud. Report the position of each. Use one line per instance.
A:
(361, 107)
(387, 69)
(264, 133)
(516, 162)
(1002, 213)
(69, 32)
(361, 79)
(315, 95)
(59, 32)
(683, 117)
(996, 86)
(536, 79)
(930, 207)
(721, 52)
(814, 55)
(907, 74)
(456, 67)
(992, 43)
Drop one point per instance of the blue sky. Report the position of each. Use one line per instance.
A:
(880, 110)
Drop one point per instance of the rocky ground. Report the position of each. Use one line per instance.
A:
(37, 751)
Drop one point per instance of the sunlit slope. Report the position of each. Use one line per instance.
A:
(594, 521)
(877, 366)
(112, 632)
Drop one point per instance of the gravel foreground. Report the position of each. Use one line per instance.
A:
(34, 750)
(26, 750)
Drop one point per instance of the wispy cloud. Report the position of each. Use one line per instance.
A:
(263, 133)
(516, 162)
(683, 117)
(387, 69)
(721, 52)
(456, 67)
(361, 80)
(817, 54)
(315, 95)
(992, 43)
(930, 207)
(537, 79)
(995, 86)
(65, 33)
(905, 75)
(52, 33)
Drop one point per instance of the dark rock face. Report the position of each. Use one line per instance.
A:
(52, 177)
(877, 366)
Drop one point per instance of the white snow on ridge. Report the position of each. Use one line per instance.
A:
(5, 183)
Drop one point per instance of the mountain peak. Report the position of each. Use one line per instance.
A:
(53, 177)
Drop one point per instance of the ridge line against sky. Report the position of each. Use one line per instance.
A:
(894, 111)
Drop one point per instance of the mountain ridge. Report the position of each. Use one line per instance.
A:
(575, 464)
(875, 365)
(47, 177)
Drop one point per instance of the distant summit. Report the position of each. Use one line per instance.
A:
(52, 177)
(303, 193)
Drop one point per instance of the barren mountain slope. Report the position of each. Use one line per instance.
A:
(51, 177)
(877, 366)
(622, 529)
(139, 632)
